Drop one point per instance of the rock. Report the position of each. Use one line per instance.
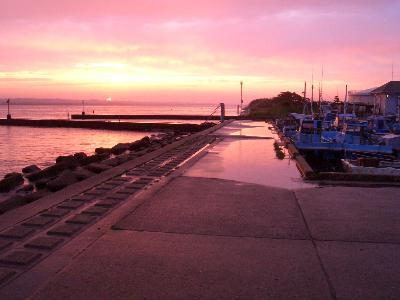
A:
(94, 158)
(98, 167)
(12, 174)
(70, 161)
(82, 174)
(10, 181)
(54, 170)
(30, 169)
(120, 148)
(41, 183)
(11, 202)
(102, 150)
(26, 188)
(63, 158)
(80, 156)
(66, 178)
(140, 144)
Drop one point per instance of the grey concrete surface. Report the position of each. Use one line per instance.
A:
(207, 238)
(352, 214)
(362, 270)
(219, 207)
(132, 265)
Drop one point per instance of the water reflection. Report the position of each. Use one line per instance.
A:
(21, 146)
(249, 160)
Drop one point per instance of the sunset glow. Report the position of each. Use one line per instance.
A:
(194, 51)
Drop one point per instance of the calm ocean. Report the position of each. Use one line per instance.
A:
(22, 146)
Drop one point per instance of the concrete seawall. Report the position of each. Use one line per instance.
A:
(149, 117)
(104, 125)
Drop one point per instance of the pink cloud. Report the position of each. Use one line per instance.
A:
(214, 43)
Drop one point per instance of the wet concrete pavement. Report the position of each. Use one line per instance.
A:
(213, 238)
(246, 153)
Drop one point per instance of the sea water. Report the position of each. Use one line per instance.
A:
(22, 146)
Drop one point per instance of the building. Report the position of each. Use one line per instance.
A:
(384, 100)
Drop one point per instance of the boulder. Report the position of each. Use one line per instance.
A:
(66, 178)
(30, 169)
(98, 167)
(102, 150)
(80, 156)
(11, 181)
(140, 144)
(54, 170)
(70, 161)
(82, 174)
(120, 148)
(41, 183)
(94, 158)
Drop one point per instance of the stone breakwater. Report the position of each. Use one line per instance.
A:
(34, 183)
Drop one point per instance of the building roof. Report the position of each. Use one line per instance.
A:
(362, 92)
(392, 87)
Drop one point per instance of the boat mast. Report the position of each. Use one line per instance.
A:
(312, 93)
(319, 96)
(345, 102)
(304, 98)
(320, 92)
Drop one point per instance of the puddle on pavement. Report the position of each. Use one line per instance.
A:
(249, 160)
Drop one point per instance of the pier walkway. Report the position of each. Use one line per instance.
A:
(192, 222)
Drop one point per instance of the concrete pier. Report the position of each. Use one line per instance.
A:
(176, 227)
(102, 125)
(149, 117)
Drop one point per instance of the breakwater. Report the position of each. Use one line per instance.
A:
(72, 169)
(148, 117)
(107, 125)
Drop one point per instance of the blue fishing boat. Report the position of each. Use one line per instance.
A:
(352, 138)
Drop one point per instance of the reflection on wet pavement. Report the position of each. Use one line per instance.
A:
(248, 160)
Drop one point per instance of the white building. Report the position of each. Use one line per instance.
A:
(384, 99)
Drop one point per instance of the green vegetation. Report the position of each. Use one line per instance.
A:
(279, 106)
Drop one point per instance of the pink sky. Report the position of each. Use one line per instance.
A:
(194, 50)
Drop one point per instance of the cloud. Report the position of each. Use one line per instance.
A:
(198, 45)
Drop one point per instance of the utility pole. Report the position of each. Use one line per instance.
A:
(83, 107)
(8, 110)
(305, 98)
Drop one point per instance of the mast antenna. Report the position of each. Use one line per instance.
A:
(312, 92)
(304, 98)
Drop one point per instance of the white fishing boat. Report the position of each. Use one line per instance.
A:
(371, 166)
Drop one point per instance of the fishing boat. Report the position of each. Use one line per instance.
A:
(352, 138)
(371, 166)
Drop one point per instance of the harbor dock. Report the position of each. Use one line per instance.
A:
(206, 218)
(149, 117)
(97, 124)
